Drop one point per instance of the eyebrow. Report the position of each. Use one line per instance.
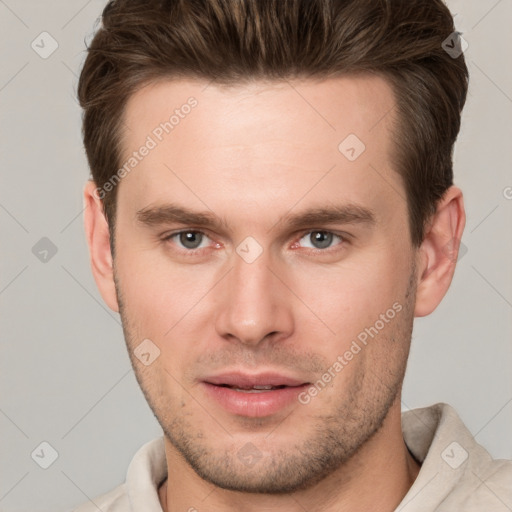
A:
(334, 214)
(170, 213)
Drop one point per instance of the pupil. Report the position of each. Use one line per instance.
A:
(190, 239)
(321, 239)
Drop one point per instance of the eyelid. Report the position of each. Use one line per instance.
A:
(167, 237)
(345, 237)
(341, 234)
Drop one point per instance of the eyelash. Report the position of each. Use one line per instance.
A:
(329, 250)
(198, 252)
(187, 252)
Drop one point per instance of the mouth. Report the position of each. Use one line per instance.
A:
(254, 395)
(254, 389)
(257, 388)
(261, 381)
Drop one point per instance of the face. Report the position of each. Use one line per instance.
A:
(266, 260)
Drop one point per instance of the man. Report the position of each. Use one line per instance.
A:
(272, 204)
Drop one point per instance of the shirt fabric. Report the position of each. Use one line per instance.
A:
(457, 474)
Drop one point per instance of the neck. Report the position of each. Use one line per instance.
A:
(376, 478)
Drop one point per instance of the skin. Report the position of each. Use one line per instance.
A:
(252, 155)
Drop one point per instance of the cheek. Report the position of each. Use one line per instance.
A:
(156, 291)
(167, 305)
(349, 297)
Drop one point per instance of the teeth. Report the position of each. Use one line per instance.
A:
(254, 389)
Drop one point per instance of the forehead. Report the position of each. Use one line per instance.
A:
(259, 142)
(326, 108)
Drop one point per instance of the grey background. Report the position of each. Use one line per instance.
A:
(65, 375)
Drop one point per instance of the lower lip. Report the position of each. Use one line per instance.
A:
(254, 405)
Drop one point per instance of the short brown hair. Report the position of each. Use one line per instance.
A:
(234, 41)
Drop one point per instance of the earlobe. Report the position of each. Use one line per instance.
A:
(98, 240)
(437, 255)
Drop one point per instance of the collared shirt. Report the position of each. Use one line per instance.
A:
(457, 474)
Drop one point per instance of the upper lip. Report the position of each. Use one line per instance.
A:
(237, 379)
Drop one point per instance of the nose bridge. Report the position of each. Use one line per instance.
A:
(255, 303)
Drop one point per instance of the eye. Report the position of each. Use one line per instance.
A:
(319, 239)
(190, 240)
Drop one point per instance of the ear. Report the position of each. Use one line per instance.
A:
(98, 239)
(437, 255)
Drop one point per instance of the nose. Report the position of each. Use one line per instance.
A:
(254, 303)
